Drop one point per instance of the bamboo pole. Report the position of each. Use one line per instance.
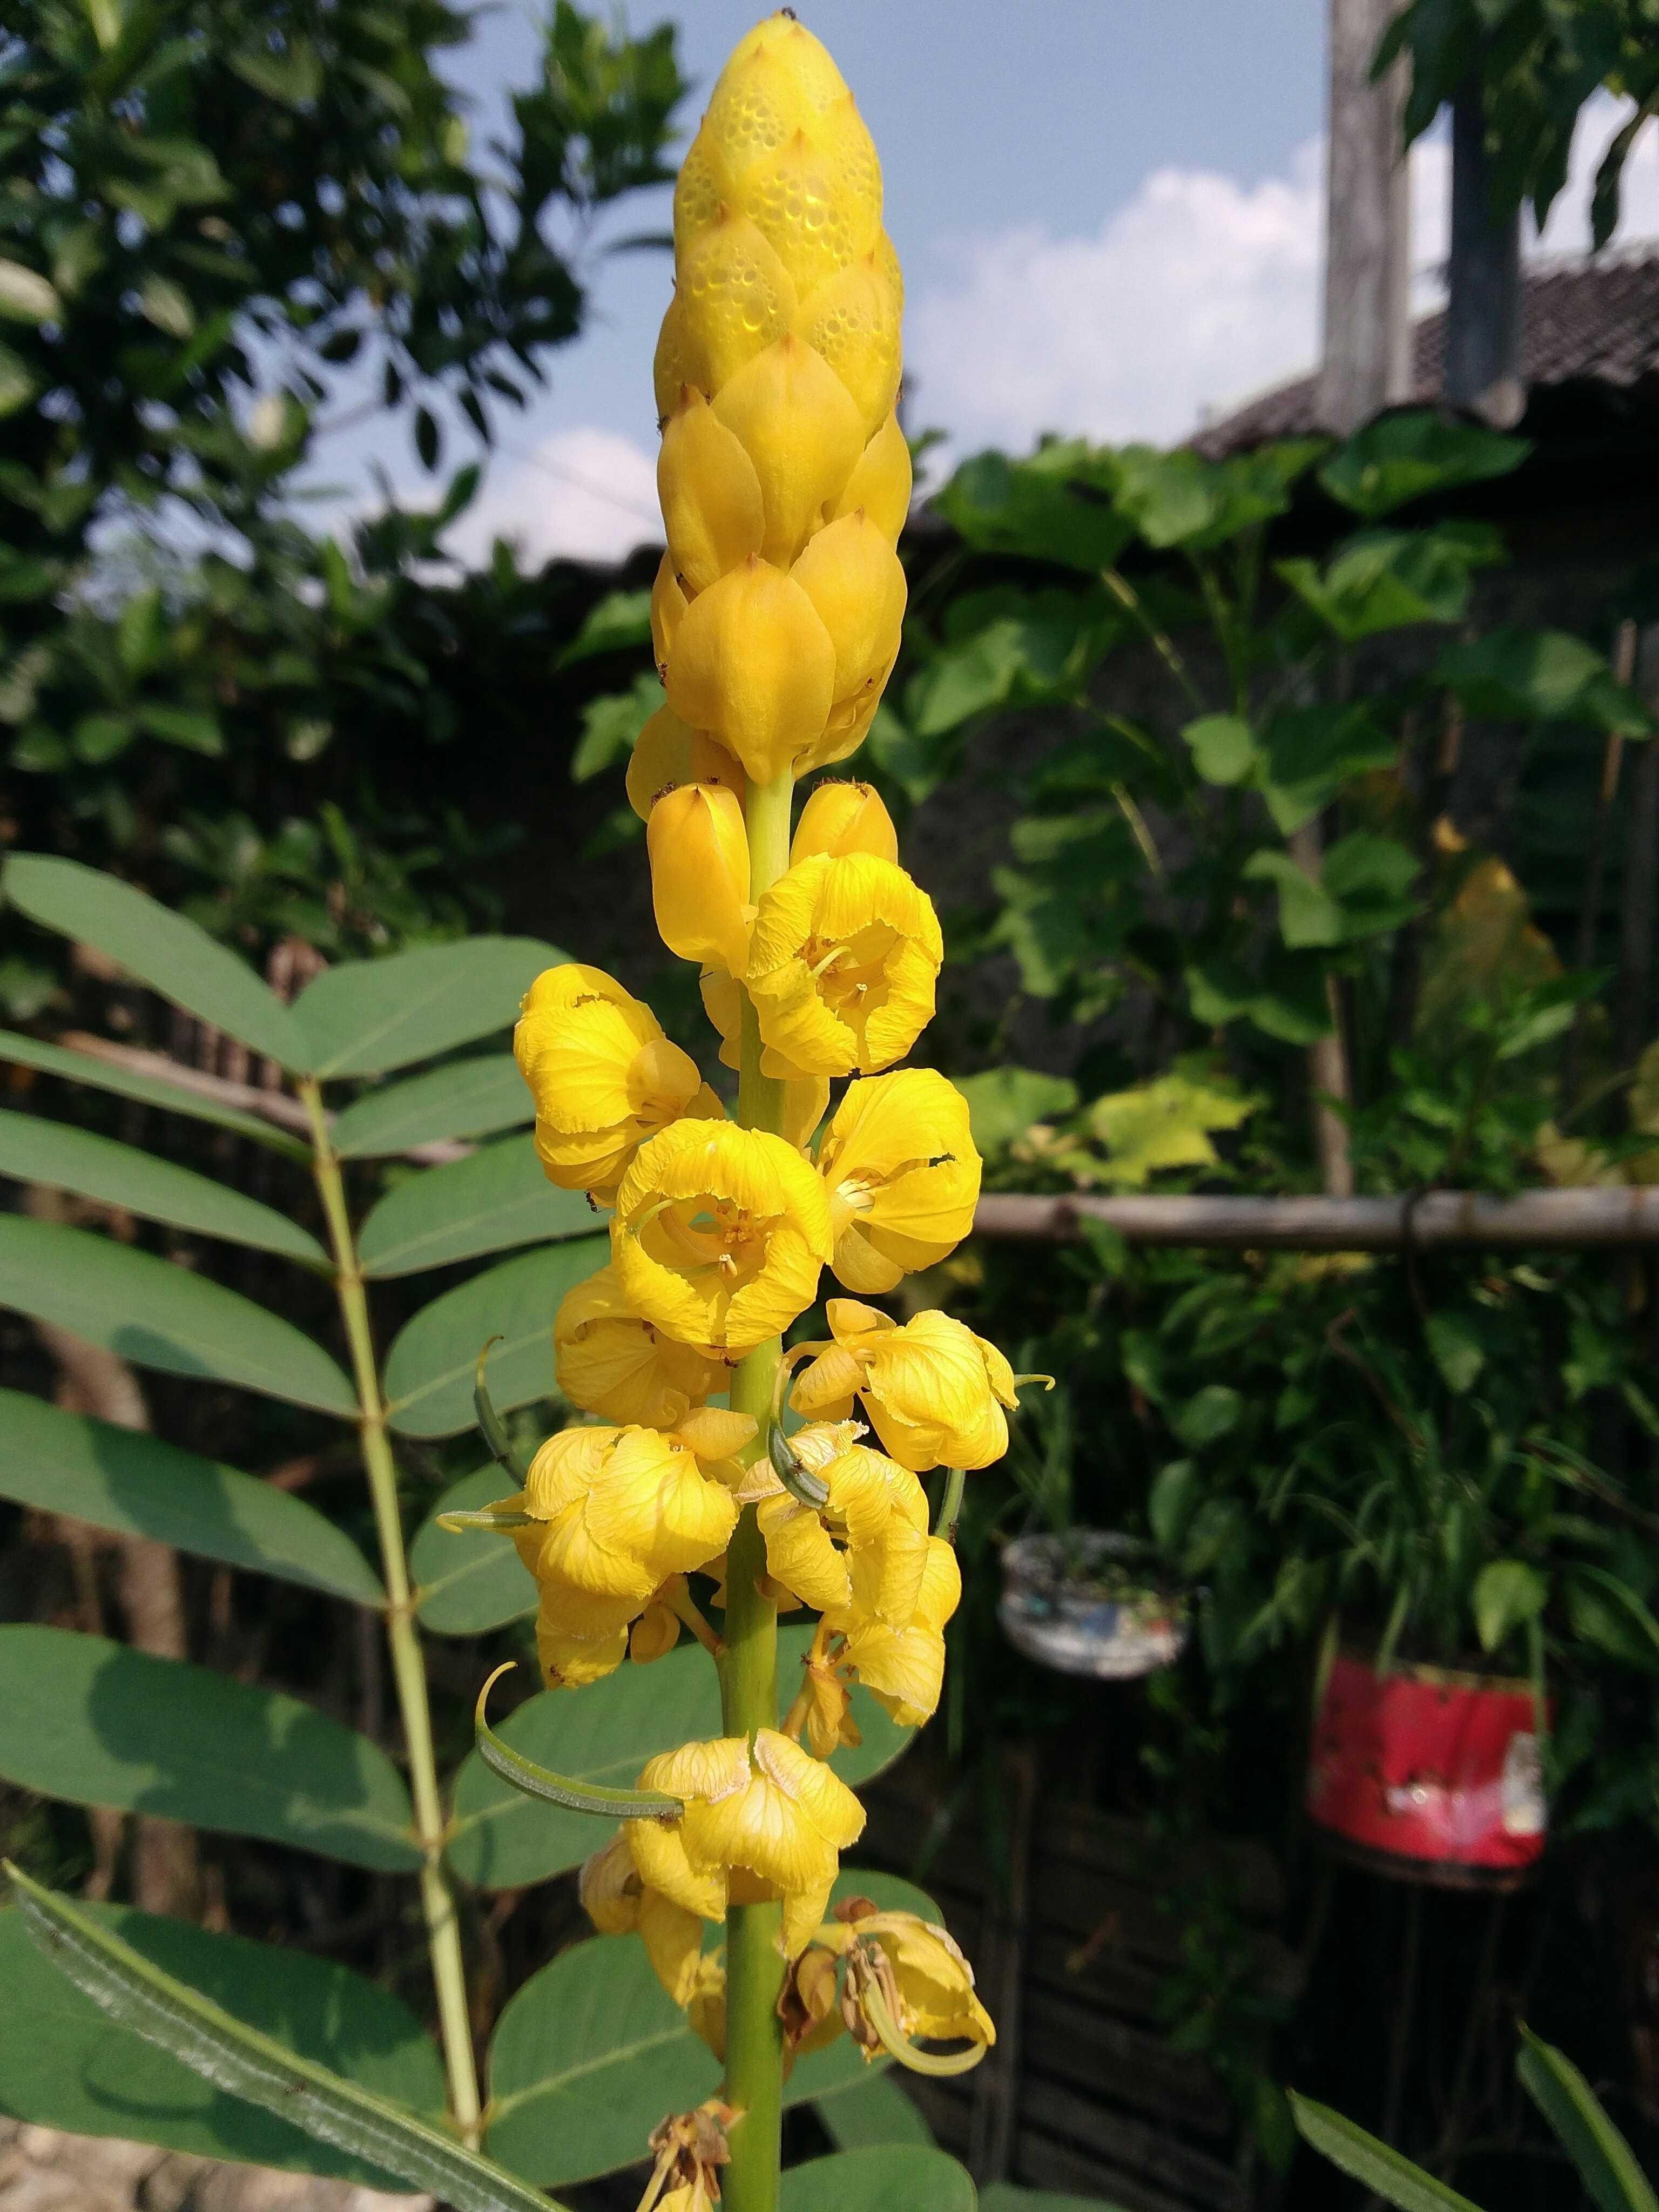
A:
(1539, 1220)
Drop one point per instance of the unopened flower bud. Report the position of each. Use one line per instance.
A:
(699, 854)
(844, 817)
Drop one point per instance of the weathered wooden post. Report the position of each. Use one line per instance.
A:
(1483, 309)
(1366, 361)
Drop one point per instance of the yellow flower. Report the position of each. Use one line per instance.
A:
(761, 1821)
(602, 1075)
(840, 817)
(865, 1548)
(752, 663)
(899, 1163)
(852, 577)
(699, 854)
(618, 1902)
(903, 1666)
(841, 964)
(934, 1390)
(665, 752)
(926, 1984)
(608, 1361)
(719, 1235)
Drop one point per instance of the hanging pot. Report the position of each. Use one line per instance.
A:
(1088, 1603)
(1427, 1774)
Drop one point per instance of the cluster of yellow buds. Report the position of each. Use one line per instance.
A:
(776, 616)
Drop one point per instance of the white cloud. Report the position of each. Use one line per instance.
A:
(1195, 293)
(585, 493)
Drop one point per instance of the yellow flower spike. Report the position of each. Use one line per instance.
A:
(770, 1811)
(734, 298)
(905, 1978)
(899, 1163)
(719, 1235)
(881, 483)
(753, 664)
(666, 751)
(711, 496)
(802, 429)
(602, 1075)
(934, 1390)
(842, 818)
(668, 606)
(842, 965)
(852, 320)
(699, 854)
(853, 578)
(806, 62)
(608, 1361)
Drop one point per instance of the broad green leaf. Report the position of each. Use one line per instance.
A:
(1209, 1413)
(470, 1098)
(467, 1584)
(430, 1369)
(1311, 752)
(591, 2052)
(901, 2178)
(1406, 456)
(1003, 1102)
(158, 1315)
(612, 726)
(134, 1483)
(64, 2063)
(619, 623)
(499, 1197)
(1009, 2196)
(1389, 2173)
(366, 1016)
(1308, 915)
(35, 1150)
(500, 1839)
(1222, 747)
(1540, 675)
(1606, 1613)
(1604, 2162)
(143, 1996)
(1507, 1594)
(1386, 580)
(152, 1090)
(872, 2110)
(1049, 508)
(1165, 1123)
(1177, 498)
(100, 1724)
(161, 949)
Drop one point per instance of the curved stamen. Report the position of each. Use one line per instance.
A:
(560, 1789)
(898, 2045)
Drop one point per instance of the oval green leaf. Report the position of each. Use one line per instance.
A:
(150, 1090)
(97, 1723)
(65, 2064)
(471, 1098)
(431, 1368)
(871, 2109)
(367, 1016)
(123, 1480)
(35, 1150)
(1008, 2196)
(500, 1839)
(160, 948)
(161, 1315)
(213, 2043)
(500, 1197)
(884, 2177)
(468, 1583)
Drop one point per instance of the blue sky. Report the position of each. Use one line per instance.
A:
(1107, 211)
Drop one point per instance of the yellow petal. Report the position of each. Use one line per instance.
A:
(853, 578)
(803, 1910)
(673, 1943)
(805, 1098)
(799, 1554)
(667, 751)
(699, 854)
(843, 818)
(722, 1001)
(903, 1668)
(609, 1888)
(659, 1852)
(711, 495)
(572, 1661)
(607, 1360)
(653, 1635)
(668, 606)
(680, 360)
(712, 1433)
(733, 299)
(824, 1389)
(853, 319)
(881, 483)
(753, 664)
(816, 197)
(801, 427)
(565, 1468)
(653, 1505)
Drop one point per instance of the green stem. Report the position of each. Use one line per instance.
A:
(749, 1671)
(408, 1668)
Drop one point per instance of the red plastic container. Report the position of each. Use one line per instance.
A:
(1428, 1775)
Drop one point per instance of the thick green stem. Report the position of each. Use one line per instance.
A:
(749, 1670)
(408, 1668)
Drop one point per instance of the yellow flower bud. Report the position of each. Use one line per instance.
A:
(816, 199)
(903, 1173)
(711, 496)
(668, 606)
(735, 299)
(767, 1810)
(852, 320)
(753, 664)
(854, 580)
(934, 1389)
(841, 964)
(666, 751)
(653, 1635)
(719, 1235)
(881, 483)
(679, 360)
(608, 1361)
(844, 817)
(699, 854)
(801, 428)
(602, 1075)
(802, 74)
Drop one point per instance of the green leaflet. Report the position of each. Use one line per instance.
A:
(239, 2058)
(465, 1584)
(1606, 2164)
(366, 1016)
(431, 1368)
(1389, 2173)
(498, 1198)
(872, 2109)
(883, 2178)
(469, 1098)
